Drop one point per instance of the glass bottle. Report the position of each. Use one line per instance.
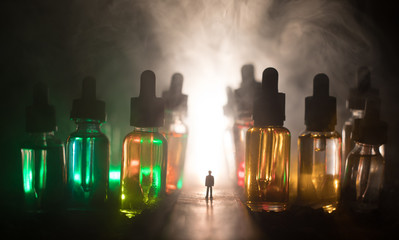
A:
(319, 148)
(244, 97)
(144, 154)
(268, 150)
(43, 162)
(355, 103)
(364, 172)
(228, 142)
(176, 132)
(88, 152)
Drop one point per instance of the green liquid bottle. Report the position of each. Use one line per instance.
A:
(144, 156)
(268, 150)
(176, 132)
(43, 163)
(88, 152)
(319, 148)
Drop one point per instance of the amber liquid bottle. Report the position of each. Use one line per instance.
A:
(364, 172)
(319, 148)
(176, 132)
(43, 158)
(267, 155)
(144, 156)
(244, 98)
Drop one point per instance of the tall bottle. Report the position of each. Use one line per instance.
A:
(229, 110)
(43, 162)
(267, 155)
(319, 148)
(144, 156)
(244, 97)
(176, 132)
(364, 172)
(355, 103)
(88, 151)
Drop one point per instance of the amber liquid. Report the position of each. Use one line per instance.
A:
(143, 172)
(267, 168)
(240, 129)
(177, 143)
(319, 170)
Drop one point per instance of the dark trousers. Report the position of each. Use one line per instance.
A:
(207, 191)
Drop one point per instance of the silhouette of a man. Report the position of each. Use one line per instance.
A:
(209, 182)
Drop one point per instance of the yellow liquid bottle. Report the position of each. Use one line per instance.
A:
(319, 149)
(267, 155)
(144, 156)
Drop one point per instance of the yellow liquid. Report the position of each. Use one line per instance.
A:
(267, 168)
(143, 170)
(319, 170)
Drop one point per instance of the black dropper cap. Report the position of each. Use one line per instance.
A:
(174, 99)
(321, 108)
(370, 129)
(249, 90)
(269, 107)
(357, 96)
(40, 116)
(147, 110)
(88, 107)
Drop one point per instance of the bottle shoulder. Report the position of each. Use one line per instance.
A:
(276, 129)
(318, 135)
(41, 142)
(139, 135)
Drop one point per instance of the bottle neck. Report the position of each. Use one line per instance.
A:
(367, 149)
(42, 135)
(173, 117)
(146, 129)
(88, 125)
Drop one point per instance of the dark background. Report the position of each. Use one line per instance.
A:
(54, 42)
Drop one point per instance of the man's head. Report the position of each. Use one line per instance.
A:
(209, 172)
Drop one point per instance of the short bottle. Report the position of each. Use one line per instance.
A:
(43, 162)
(88, 152)
(319, 149)
(355, 103)
(144, 154)
(364, 172)
(176, 132)
(244, 97)
(267, 155)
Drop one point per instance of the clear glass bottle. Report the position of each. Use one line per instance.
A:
(267, 157)
(319, 149)
(355, 103)
(144, 154)
(88, 152)
(244, 98)
(43, 159)
(364, 172)
(176, 132)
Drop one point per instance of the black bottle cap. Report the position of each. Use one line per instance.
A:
(269, 107)
(40, 116)
(174, 99)
(357, 96)
(249, 90)
(321, 108)
(370, 129)
(88, 107)
(147, 110)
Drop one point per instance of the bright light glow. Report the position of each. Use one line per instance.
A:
(115, 175)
